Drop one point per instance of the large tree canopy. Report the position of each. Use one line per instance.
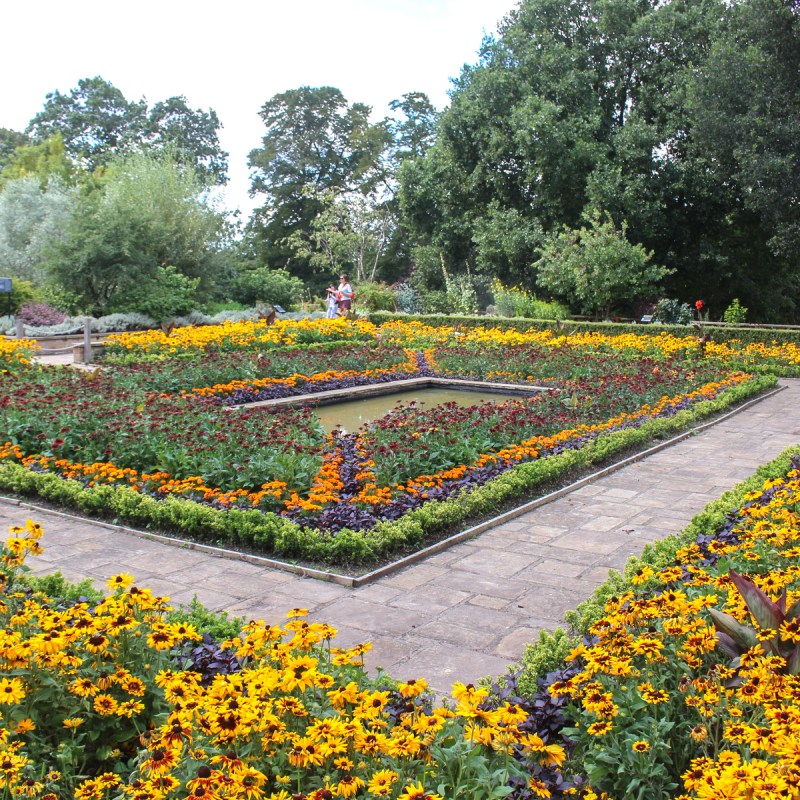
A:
(598, 105)
(315, 142)
(98, 124)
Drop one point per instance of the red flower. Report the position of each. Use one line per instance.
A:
(699, 305)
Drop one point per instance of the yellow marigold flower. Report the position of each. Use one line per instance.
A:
(347, 786)
(29, 788)
(306, 752)
(412, 688)
(699, 733)
(642, 575)
(161, 761)
(469, 694)
(539, 788)
(599, 728)
(130, 708)
(299, 673)
(161, 637)
(97, 643)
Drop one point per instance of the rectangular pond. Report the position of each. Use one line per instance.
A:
(352, 414)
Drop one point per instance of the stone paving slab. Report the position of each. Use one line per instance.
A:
(470, 610)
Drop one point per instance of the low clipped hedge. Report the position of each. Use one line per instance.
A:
(272, 535)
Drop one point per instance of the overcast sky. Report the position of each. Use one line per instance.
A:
(232, 56)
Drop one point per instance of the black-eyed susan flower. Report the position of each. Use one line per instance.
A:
(12, 691)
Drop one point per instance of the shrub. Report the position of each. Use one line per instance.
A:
(372, 296)
(672, 312)
(406, 298)
(735, 313)
(434, 301)
(40, 314)
(462, 297)
(265, 285)
(22, 292)
(166, 295)
(518, 302)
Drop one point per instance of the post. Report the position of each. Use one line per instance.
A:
(20, 329)
(87, 342)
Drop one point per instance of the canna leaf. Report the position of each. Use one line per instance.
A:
(728, 645)
(793, 661)
(765, 612)
(793, 612)
(743, 636)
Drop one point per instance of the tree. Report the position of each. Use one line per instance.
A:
(95, 121)
(44, 161)
(415, 132)
(149, 213)
(575, 105)
(597, 267)
(191, 134)
(10, 140)
(32, 218)
(746, 112)
(98, 124)
(349, 234)
(314, 142)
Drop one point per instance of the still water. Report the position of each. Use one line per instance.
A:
(352, 414)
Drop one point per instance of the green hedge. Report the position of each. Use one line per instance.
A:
(272, 535)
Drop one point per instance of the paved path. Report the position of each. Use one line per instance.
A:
(470, 610)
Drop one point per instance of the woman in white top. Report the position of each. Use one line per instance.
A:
(345, 295)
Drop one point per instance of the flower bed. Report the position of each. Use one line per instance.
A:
(111, 699)
(143, 441)
(687, 685)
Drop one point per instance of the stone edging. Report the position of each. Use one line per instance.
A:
(469, 533)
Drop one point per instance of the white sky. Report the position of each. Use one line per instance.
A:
(235, 55)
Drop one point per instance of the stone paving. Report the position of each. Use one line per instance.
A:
(470, 610)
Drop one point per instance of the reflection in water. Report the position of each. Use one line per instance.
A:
(352, 414)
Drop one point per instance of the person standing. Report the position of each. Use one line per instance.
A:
(345, 295)
(331, 303)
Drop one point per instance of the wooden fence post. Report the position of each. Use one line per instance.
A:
(87, 342)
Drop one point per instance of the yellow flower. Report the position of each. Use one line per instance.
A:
(23, 726)
(121, 581)
(381, 782)
(416, 791)
(12, 691)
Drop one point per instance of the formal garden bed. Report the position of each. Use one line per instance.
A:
(150, 438)
(680, 682)
(677, 679)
